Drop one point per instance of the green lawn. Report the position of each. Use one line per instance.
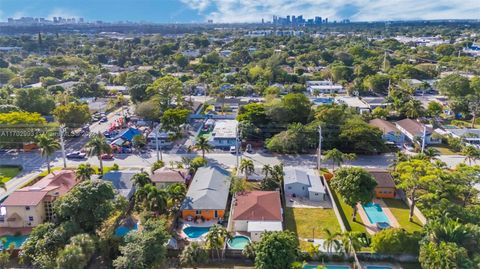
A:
(8, 172)
(401, 211)
(303, 221)
(444, 150)
(347, 212)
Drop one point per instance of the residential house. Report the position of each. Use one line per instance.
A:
(414, 131)
(303, 183)
(164, 177)
(33, 205)
(224, 134)
(390, 132)
(323, 87)
(471, 136)
(385, 185)
(122, 181)
(256, 212)
(257, 175)
(207, 194)
(354, 102)
(374, 102)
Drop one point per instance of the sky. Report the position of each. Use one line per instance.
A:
(185, 11)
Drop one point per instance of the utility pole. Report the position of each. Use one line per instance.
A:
(384, 61)
(159, 150)
(237, 147)
(423, 137)
(319, 157)
(62, 144)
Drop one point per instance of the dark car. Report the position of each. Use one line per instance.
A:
(76, 155)
(104, 119)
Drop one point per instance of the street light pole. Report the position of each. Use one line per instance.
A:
(236, 146)
(319, 156)
(423, 137)
(62, 144)
(159, 150)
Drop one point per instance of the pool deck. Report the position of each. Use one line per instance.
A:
(12, 231)
(186, 224)
(371, 227)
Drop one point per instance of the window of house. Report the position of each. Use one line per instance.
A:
(27, 208)
(30, 218)
(198, 212)
(216, 214)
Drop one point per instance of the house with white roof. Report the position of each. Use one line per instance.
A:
(224, 134)
(302, 182)
(323, 87)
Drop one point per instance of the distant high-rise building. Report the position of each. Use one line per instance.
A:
(318, 20)
(288, 19)
(80, 20)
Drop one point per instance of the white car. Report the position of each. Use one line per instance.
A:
(233, 149)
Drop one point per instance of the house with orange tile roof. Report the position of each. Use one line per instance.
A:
(33, 205)
(256, 212)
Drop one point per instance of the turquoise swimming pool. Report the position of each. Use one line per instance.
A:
(323, 101)
(238, 242)
(195, 232)
(375, 213)
(123, 230)
(18, 241)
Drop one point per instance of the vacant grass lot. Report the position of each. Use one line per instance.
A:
(8, 172)
(346, 211)
(401, 211)
(304, 221)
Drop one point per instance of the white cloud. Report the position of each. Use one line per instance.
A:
(255, 10)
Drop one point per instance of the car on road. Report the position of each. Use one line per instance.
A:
(104, 119)
(233, 149)
(76, 155)
(107, 156)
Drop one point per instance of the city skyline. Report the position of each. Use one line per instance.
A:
(187, 11)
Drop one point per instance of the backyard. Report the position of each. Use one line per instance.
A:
(401, 212)
(346, 211)
(8, 172)
(305, 221)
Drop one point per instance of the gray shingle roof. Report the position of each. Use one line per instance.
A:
(208, 190)
(121, 181)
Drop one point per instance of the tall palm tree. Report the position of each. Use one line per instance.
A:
(141, 179)
(202, 145)
(151, 198)
(350, 242)
(331, 242)
(471, 153)
(176, 192)
(336, 156)
(84, 172)
(431, 153)
(247, 167)
(97, 146)
(48, 145)
(216, 237)
(193, 255)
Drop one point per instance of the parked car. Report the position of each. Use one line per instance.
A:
(249, 148)
(76, 155)
(107, 156)
(233, 149)
(104, 119)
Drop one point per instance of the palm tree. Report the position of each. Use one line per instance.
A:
(176, 192)
(141, 179)
(216, 237)
(471, 153)
(431, 153)
(413, 109)
(336, 156)
(84, 172)
(247, 167)
(202, 145)
(331, 242)
(193, 255)
(97, 146)
(48, 145)
(151, 198)
(350, 242)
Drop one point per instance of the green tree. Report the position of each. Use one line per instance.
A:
(380, 112)
(138, 78)
(444, 256)
(176, 193)
(414, 175)
(193, 255)
(454, 85)
(172, 119)
(84, 172)
(395, 241)
(359, 137)
(33, 74)
(141, 179)
(471, 153)
(97, 146)
(4, 259)
(377, 83)
(34, 100)
(337, 157)
(216, 238)
(48, 146)
(77, 254)
(6, 75)
(247, 167)
(87, 205)
(151, 198)
(355, 185)
(434, 109)
(276, 250)
(168, 90)
(72, 114)
(203, 145)
(273, 177)
(331, 242)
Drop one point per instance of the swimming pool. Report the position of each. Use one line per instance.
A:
(195, 232)
(326, 266)
(123, 230)
(375, 213)
(323, 101)
(18, 241)
(238, 242)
